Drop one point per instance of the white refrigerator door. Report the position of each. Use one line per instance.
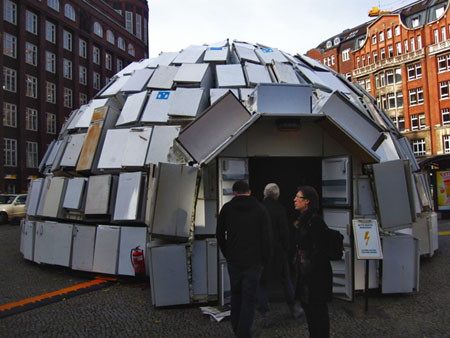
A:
(83, 247)
(106, 249)
(130, 238)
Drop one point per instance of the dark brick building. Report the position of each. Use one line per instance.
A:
(56, 55)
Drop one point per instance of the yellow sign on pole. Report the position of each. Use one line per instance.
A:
(367, 239)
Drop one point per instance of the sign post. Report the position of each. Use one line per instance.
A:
(368, 246)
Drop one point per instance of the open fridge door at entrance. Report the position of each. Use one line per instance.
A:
(337, 214)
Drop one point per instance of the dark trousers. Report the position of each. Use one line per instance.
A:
(244, 282)
(286, 284)
(318, 320)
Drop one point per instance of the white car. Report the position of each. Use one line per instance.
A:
(12, 206)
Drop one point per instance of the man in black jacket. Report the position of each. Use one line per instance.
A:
(244, 240)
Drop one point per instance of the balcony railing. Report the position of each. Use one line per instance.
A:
(439, 47)
(393, 61)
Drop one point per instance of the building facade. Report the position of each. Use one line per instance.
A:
(56, 55)
(402, 59)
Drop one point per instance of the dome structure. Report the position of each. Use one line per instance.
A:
(152, 157)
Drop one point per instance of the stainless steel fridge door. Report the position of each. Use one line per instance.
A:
(138, 80)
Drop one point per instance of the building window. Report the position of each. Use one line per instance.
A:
(443, 35)
(399, 100)
(82, 45)
(69, 12)
(10, 152)
(67, 43)
(391, 101)
(389, 33)
(31, 119)
(139, 29)
(131, 50)
(357, 62)
(440, 12)
(54, 4)
(390, 77)
(363, 59)
(96, 79)
(9, 79)
(412, 97)
(401, 123)
(98, 30)
(412, 42)
(50, 62)
(368, 84)
(51, 123)
(68, 98)
(83, 98)
(9, 115)
(405, 45)
(419, 95)
(31, 22)
(10, 12)
(110, 37)
(446, 144)
(443, 90)
(332, 59)
(368, 58)
(377, 81)
(375, 56)
(129, 21)
(50, 32)
(422, 123)
(398, 75)
(436, 36)
(398, 46)
(419, 42)
(121, 43)
(68, 69)
(415, 22)
(381, 36)
(445, 116)
(83, 75)
(32, 155)
(96, 55)
(9, 45)
(119, 65)
(374, 39)
(397, 30)
(382, 80)
(414, 71)
(418, 146)
(108, 61)
(382, 54)
(31, 54)
(384, 102)
(51, 92)
(145, 31)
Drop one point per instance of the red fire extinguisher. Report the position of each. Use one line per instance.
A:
(137, 260)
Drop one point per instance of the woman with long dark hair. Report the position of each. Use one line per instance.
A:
(314, 282)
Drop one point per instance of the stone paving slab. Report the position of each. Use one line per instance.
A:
(124, 309)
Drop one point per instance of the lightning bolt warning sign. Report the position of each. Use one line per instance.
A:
(367, 239)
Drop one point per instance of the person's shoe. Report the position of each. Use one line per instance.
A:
(296, 311)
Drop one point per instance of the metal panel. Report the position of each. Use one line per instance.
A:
(392, 194)
(163, 77)
(269, 55)
(283, 99)
(34, 195)
(86, 116)
(98, 194)
(340, 220)
(192, 54)
(43, 245)
(163, 59)
(167, 262)
(211, 250)
(54, 197)
(246, 53)
(400, 264)
(191, 73)
(73, 150)
(62, 246)
(54, 151)
(245, 93)
(360, 274)
(128, 197)
(42, 196)
(285, 73)
(387, 151)
(113, 149)
(130, 238)
(136, 147)
(334, 82)
(230, 76)
(205, 217)
(188, 102)
(363, 203)
(342, 275)
(336, 182)
(116, 86)
(216, 93)
(132, 108)
(74, 193)
(27, 239)
(134, 66)
(106, 250)
(138, 80)
(83, 247)
(160, 144)
(199, 269)
(216, 54)
(213, 127)
(53, 243)
(355, 123)
(174, 200)
(158, 105)
(256, 74)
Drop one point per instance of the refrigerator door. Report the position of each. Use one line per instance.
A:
(336, 182)
(128, 198)
(54, 197)
(160, 144)
(199, 270)
(34, 195)
(106, 250)
(73, 150)
(113, 149)
(136, 147)
(98, 195)
(132, 108)
(158, 105)
(74, 193)
(130, 238)
(342, 276)
(138, 80)
(27, 239)
(83, 247)
(256, 74)
(62, 245)
(340, 220)
(230, 76)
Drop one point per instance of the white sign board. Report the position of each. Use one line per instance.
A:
(367, 239)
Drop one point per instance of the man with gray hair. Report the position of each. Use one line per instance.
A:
(278, 268)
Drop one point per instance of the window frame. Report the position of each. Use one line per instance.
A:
(50, 120)
(10, 45)
(10, 12)
(31, 22)
(69, 12)
(50, 88)
(67, 40)
(32, 158)
(50, 32)
(31, 119)
(9, 115)
(9, 79)
(9, 152)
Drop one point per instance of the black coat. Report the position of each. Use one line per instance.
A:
(243, 232)
(280, 236)
(315, 280)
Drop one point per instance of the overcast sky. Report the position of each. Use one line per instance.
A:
(294, 26)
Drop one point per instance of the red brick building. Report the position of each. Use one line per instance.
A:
(402, 58)
(56, 55)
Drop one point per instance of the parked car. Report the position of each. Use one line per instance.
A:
(12, 206)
